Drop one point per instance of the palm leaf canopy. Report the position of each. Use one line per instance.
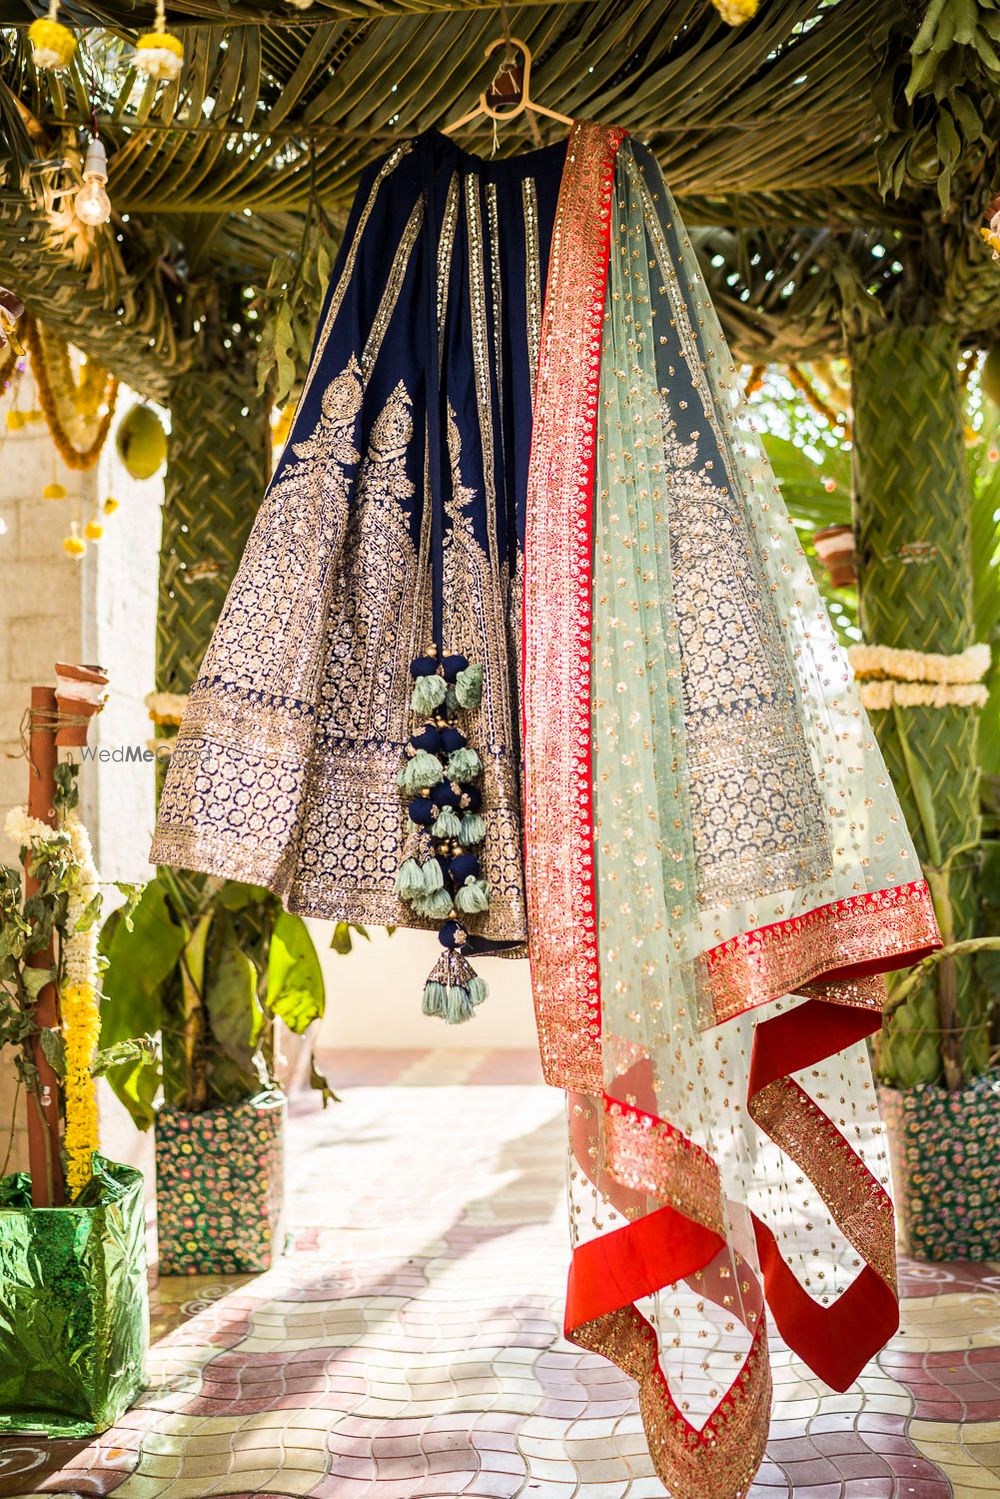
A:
(769, 133)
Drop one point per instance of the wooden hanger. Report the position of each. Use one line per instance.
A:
(520, 101)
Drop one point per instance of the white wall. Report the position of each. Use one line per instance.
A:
(374, 994)
(101, 609)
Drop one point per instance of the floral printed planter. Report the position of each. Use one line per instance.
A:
(220, 1187)
(946, 1168)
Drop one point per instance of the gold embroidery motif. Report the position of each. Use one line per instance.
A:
(787, 956)
(533, 277)
(859, 1206)
(556, 718)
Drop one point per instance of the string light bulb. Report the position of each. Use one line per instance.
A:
(92, 205)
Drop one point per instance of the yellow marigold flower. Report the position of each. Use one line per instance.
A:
(110, 505)
(160, 55)
(53, 491)
(74, 544)
(283, 426)
(81, 1026)
(93, 530)
(52, 43)
(736, 11)
(992, 238)
(15, 421)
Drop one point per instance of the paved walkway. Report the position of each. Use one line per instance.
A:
(408, 1344)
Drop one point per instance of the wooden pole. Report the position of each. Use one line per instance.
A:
(47, 1187)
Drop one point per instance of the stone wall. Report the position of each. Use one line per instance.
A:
(100, 609)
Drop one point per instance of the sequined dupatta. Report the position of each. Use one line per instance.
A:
(717, 868)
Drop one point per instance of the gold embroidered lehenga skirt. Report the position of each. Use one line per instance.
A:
(716, 869)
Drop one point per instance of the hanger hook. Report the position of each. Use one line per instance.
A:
(524, 102)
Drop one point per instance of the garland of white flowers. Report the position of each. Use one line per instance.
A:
(920, 679)
(78, 986)
(923, 694)
(920, 666)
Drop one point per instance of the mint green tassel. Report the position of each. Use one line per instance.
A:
(447, 824)
(469, 687)
(463, 765)
(474, 896)
(428, 694)
(423, 770)
(458, 1005)
(436, 906)
(450, 701)
(473, 829)
(435, 999)
(477, 989)
(409, 880)
(432, 876)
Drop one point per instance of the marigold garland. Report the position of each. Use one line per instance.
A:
(58, 393)
(81, 1023)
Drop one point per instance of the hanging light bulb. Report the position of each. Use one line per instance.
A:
(92, 205)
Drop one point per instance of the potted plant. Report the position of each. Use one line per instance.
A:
(75, 1320)
(216, 968)
(936, 1058)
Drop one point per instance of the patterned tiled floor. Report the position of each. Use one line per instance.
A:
(408, 1343)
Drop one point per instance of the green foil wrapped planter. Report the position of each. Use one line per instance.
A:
(946, 1168)
(220, 1187)
(74, 1305)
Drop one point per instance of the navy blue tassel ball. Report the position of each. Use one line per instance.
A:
(423, 666)
(445, 795)
(470, 800)
(428, 739)
(462, 867)
(421, 811)
(452, 934)
(452, 739)
(452, 665)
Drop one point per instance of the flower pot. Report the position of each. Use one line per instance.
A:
(946, 1168)
(220, 1187)
(835, 549)
(74, 1310)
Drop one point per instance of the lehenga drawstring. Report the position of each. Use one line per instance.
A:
(441, 771)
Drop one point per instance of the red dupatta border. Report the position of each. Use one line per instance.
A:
(833, 952)
(558, 544)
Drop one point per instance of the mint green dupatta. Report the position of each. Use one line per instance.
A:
(717, 868)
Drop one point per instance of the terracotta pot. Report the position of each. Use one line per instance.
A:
(79, 695)
(835, 549)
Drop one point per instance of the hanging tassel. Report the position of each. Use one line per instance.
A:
(469, 687)
(458, 1005)
(435, 906)
(428, 694)
(410, 880)
(473, 829)
(420, 773)
(464, 765)
(478, 989)
(448, 824)
(473, 897)
(433, 876)
(435, 999)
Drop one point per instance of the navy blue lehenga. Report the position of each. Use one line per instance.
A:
(395, 518)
